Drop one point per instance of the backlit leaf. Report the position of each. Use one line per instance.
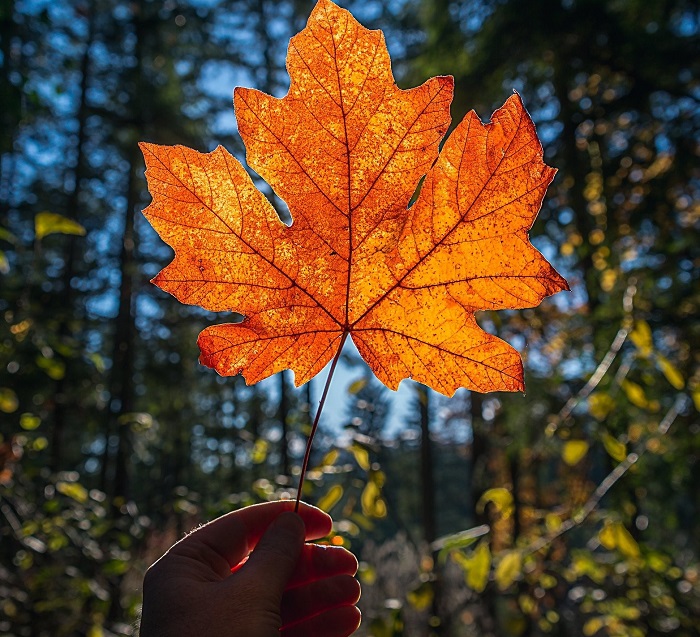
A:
(552, 522)
(502, 499)
(461, 540)
(508, 569)
(73, 490)
(329, 459)
(600, 405)
(357, 385)
(670, 371)
(29, 422)
(361, 456)
(635, 394)
(592, 626)
(8, 400)
(642, 338)
(614, 535)
(345, 149)
(574, 451)
(616, 450)
(696, 398)
(373, 504)
(476, 567)
(54, 368)
(330, 498)
(259, 452)
(46, 223)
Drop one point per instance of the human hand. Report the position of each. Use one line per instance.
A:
(283, 587)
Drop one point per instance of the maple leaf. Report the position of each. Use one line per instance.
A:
(345, 149)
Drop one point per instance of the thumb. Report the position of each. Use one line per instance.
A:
(275, 557)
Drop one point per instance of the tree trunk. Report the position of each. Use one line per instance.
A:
(426, 466)
(123, 356)
(427, 472)
(283, 414)
(60, 416)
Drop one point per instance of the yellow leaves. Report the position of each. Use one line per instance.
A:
(54, 368)
(608, 279)
(422, 597)
(635, 394)
(583, 564)
(73, 490)
(552, 522)
(96, 631)
(46, 223)
(8, 400)
(670, 371)
(508, 569)
(330, 498)
(592, 626)
(29, 422)
(501, 498)
(574, 451)
(361, 456)
(259, 451)
(329, 459)
(614, 535)
(600, 405)
(367, 573)
(357, 386)
(642, 338)
(696, 397)
(373, 504)
(616, 450)
(547, 581)
(476, 567)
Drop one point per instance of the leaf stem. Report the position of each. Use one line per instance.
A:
(309, 442)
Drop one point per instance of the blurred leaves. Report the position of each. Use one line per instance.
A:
(361, 456)
(476, 566)
(8, 400)
(574, 451)
(616, 450)
(502, 500)
(73, 490)
(373, 505)
(46, 223)
(422, 597)
(641, 336)
(671, 372)
(615, 536)
(330, 498)
(509, 567)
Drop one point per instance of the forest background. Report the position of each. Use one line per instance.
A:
(570, 510)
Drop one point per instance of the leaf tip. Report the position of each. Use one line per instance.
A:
(446, 81)
(147, 147)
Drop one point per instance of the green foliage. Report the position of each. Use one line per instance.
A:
(572, 510)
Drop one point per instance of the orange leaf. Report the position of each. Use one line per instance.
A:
(345, 149)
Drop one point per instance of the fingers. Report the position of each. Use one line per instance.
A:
(275, 557)
(337, 622)
(316, 597)
(317, 562)
(233, 536)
